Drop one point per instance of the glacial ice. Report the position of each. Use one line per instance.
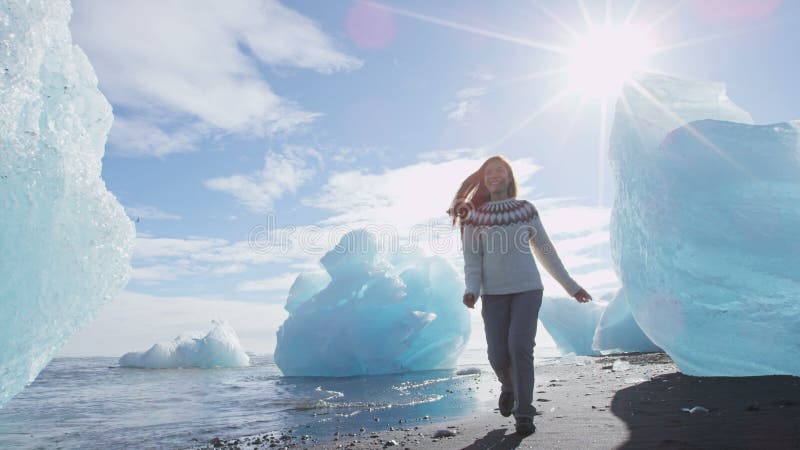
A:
(618, 332)
(572, 324)
(66, 242)
(620, 365)
(571, 359)
(704, 228)
(304, 287)
(218, 348)
(370, 319)
(602, 326)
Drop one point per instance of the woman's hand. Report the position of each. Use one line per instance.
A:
(469, 300)
(582, 296)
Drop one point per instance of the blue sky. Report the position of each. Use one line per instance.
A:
(325, 116)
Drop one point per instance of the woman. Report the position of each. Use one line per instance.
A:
(497, 232)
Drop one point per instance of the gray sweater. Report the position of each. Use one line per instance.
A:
(497, 250)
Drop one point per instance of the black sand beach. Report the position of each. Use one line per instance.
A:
(646, 403)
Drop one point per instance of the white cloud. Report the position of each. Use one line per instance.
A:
(466, 104)
(138, 138)
(134, 322)
(580, 235)
(279, 35)
(567, 216)
(457, 153)
(402, 196)
(198, 63)
(481, 76)
(151, 248)
(283, 173)
(242, 252)
(280, 283)
(229, 269)
(156, 260)
(197, 255)
(165, 259)
(305, 266)
(158, 272)
(150, 212)
(351, 155)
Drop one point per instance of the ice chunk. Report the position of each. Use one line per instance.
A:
(65, 241)
(636, 380)
(603, 326)
(704, 228)
(618, 332)
(571, 359)
(368, 320)
(620, 365)
(694, 409)
(572, 324)
(219, 348)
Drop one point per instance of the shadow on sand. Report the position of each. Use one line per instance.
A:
(742, 412)
(496, 440)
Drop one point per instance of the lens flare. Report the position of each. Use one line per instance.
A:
(605, 58)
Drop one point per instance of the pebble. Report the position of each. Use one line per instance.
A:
(444, 433)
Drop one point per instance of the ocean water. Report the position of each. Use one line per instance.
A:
(92, 403)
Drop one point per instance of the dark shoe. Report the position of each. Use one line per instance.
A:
(506, 403)
(525, 426)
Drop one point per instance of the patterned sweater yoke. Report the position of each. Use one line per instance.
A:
(502, 212)
(497, 242)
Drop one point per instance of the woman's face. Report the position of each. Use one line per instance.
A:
(496, 177)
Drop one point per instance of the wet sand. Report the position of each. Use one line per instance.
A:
(642, 402)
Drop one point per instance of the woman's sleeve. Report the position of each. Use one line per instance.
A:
(473, 256)
(547, 255)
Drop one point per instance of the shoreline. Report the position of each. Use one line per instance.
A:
(616, 401)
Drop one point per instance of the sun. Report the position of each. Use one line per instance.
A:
(603, 59)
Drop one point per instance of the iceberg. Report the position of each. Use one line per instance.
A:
(572, 324)
(372, 318)
(704, 227)
(218, 348)
(65, 241)
(605, 325)
(617, 330)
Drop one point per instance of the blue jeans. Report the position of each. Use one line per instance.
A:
(510, 324)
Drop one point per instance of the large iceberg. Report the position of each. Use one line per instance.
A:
(65, 241)
(373, 317)
(704, 228)
(602, 326)
(218, 348)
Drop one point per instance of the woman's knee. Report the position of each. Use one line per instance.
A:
(521, 345)
(499, 359)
